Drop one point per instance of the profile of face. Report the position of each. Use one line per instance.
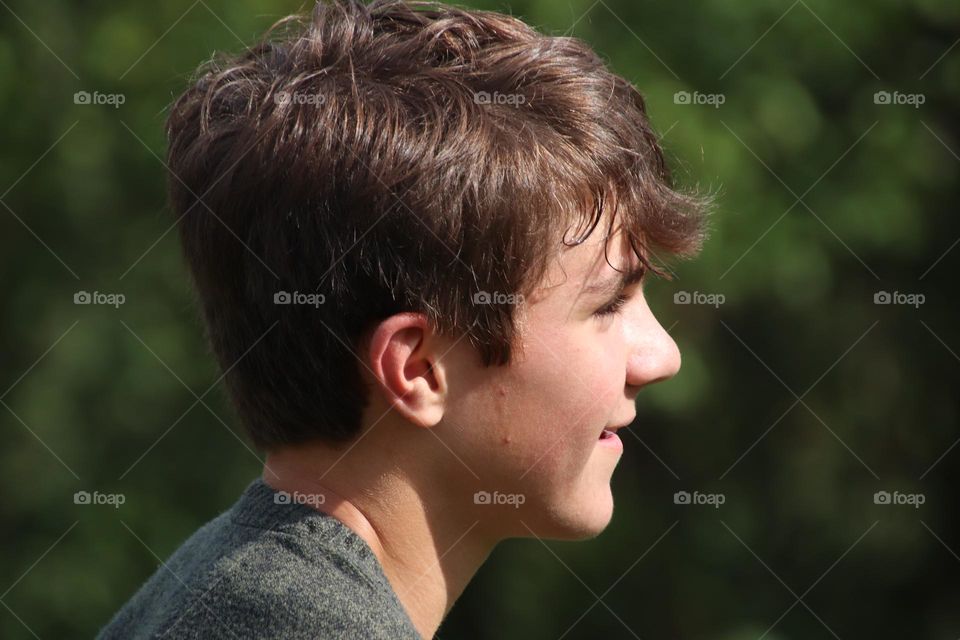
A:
(522, 447)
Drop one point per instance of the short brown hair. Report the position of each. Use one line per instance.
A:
(396, 157)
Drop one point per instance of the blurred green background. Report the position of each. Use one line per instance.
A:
(830, 131)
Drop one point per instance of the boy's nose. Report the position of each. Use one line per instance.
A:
(656, 358)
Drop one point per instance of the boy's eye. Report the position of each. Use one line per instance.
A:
(613, 307)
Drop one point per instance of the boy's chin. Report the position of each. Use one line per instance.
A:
(589, 527)
(574, 522)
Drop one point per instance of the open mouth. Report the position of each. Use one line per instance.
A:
(606, 434)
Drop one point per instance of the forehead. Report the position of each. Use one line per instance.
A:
(582, 269)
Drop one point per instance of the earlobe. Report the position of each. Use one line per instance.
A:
(405, 369)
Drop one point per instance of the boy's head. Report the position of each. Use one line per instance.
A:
(394, 214)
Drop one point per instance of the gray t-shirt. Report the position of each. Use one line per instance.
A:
(267, 569)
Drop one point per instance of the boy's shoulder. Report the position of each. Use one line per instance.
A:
(266, 568)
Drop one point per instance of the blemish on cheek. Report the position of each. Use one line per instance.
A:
(506, 440)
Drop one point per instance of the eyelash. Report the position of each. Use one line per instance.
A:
(614, 307)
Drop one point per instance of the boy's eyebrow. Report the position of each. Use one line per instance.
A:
(616, 283)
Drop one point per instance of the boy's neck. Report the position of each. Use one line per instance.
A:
(428, 554)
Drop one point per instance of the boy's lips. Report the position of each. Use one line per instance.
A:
(609, 439)
(609, 434)
(612, 429)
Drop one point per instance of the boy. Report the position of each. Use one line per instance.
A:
(375, 204)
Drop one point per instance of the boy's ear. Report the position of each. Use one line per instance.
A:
(400, 352)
